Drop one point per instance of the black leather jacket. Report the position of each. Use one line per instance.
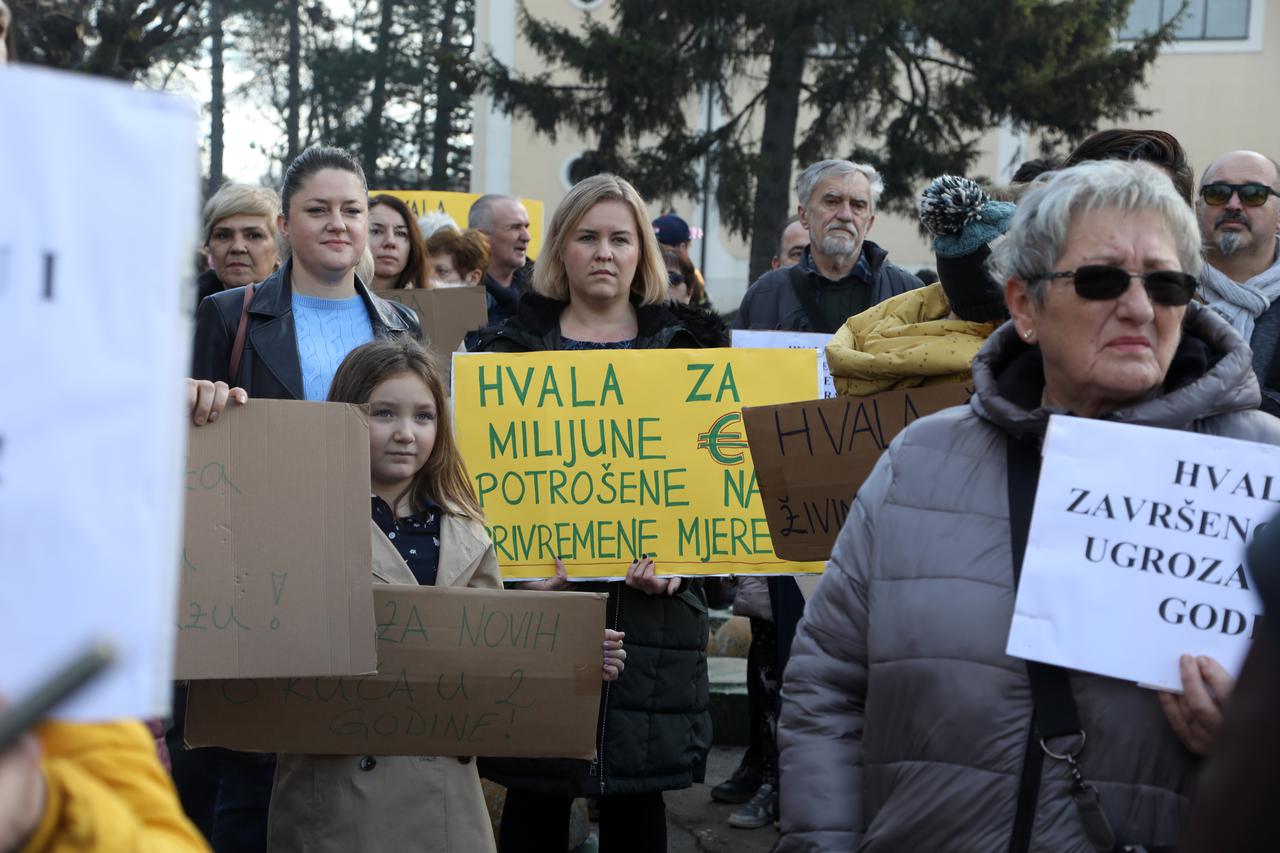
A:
(269, 366)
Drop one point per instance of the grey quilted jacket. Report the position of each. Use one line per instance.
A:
(903, 722)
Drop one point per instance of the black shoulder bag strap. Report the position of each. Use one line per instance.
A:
(1053, 706)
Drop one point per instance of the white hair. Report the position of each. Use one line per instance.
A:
(816, 173)
(436, 220)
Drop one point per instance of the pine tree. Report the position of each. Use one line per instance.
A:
(120, 38)
(907, 85)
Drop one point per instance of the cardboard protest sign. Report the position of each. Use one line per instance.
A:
(95, 348)
(460, 672)
(1136, 550)
(601, 456)
(811, 457)
(276, 553)
(816, 341)
(446, 314)
(457, 205)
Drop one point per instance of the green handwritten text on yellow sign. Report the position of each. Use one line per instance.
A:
(600, 457)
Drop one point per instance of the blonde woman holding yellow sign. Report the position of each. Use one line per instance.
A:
(600, 284)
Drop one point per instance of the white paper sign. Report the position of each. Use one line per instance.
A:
(1136, 550)
(756, 339)
(100, 183)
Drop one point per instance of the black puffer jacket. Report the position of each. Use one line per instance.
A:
(654, 728)
(784, 298)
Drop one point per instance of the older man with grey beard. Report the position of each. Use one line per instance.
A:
(1239, 213)
(842, 273)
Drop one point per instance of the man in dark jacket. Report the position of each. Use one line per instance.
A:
(505, 222)
(842, 273)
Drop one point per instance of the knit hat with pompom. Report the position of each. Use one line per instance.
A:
(963, 220)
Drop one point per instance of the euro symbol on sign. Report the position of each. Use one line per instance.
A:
(721, 443)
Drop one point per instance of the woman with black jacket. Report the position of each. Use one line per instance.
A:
(600, 284)
(293, 330)
(303, 320)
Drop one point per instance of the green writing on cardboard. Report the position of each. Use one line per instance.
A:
(198, 618)
(500, 628)
(209, 476)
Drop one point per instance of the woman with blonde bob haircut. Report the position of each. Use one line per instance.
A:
(600, 284)
(550, 277)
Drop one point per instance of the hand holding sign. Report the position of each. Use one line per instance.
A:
(641, 575)
(615, 656)
(206, 399)
(1196, 715)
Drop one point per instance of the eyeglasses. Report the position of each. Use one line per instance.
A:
(1099, 282)
(674, 279)
(1251, 194)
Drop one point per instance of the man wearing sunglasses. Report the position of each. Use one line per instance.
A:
(1239, 212)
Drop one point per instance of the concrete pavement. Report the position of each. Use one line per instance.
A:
(698, 824)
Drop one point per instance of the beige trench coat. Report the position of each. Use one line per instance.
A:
(423, 804)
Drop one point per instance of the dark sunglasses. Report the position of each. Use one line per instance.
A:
(1251, 195)
(1099, 281)
(675, 279)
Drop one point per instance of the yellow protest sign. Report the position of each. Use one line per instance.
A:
(598, 457)
(457, 204)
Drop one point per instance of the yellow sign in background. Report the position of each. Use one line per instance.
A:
(599, 457)
(457, 205)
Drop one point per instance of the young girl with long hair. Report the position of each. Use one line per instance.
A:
(432, 533)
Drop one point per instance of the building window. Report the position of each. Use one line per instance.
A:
(1205, 20)
(574, 168)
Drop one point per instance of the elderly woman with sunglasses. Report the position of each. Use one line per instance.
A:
(904, 724)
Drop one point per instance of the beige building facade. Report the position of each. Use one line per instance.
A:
(1215, 89)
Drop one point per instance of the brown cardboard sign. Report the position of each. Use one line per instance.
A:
(460, 672)
(276, 553)
(811, 458)
(446, 314)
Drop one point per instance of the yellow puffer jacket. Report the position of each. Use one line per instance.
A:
(904, 342)
(106, 791)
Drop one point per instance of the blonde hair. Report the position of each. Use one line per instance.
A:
(365, 267)
(239, 200)
(444, 479)
(549, 275)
